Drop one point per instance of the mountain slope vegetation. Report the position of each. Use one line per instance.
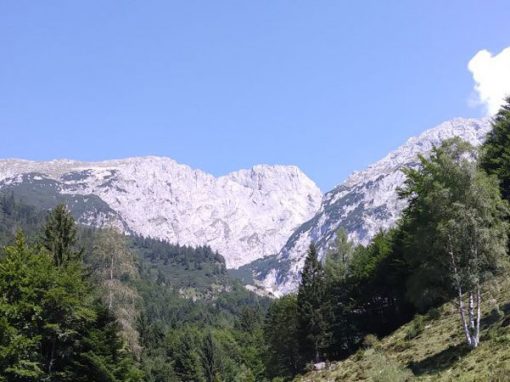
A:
(432, 348)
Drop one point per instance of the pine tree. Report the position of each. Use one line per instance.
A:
(495, 157)
(59, 236)
(281, 336)
(211, 358)
(313, 326)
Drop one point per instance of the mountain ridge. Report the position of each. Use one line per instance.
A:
(245, 215)
(365, 203)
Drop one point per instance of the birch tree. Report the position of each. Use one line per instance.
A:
(456, 231)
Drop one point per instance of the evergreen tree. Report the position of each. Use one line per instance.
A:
(59, 236)
(281, 336)
(337, 258)
(313, 327)
(211, 358)
(188, 357)
(53, 329)
(495, 158)
(102, 354)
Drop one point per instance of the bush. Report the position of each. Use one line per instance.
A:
(370, 341)
(416, 327)
(496, 314)
(434, 314)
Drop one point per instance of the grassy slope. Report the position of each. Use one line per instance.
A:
(437, 352)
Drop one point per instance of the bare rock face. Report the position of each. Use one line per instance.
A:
(364, 204)
(245, 215)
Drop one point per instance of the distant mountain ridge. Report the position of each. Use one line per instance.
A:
(260, 219)
(245, 215)
(364, 204)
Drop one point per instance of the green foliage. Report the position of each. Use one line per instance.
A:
(495, 157)
(213, 333)
(60, 235)
(454, 231)
(370, 341)
(15, 215)
(195, 272)
(312, 310)
(337, 258)
(113, 268)
(48, 315)
(416, 327)
(281, 336)
(434, 314)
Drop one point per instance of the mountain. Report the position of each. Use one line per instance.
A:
(364, 204)
(245, 215)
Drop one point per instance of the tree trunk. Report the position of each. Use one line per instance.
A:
(478, 314)
(471, 312)
(460, 297)
(110, 294)
(52, 357)
(463, 317)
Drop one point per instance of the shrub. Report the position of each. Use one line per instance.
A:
(370, 341)
(416, 327)
(496, 314)
(434, 314)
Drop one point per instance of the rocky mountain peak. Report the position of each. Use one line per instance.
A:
(244, 215)
(365, 203)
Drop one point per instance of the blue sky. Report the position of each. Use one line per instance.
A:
(330, 86)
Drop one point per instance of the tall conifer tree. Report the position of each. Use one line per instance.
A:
(312, 325)
(59, 236)
(495, 158)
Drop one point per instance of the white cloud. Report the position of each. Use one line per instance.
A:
(491, 74)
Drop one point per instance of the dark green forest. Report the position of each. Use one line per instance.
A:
(83, 304)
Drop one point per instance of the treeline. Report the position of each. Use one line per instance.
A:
(452, 237)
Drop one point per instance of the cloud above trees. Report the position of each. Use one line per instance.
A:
(491, 73)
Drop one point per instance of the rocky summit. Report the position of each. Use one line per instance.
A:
(245, 215)
(364, 204)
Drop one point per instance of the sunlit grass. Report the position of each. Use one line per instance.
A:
(431, 348)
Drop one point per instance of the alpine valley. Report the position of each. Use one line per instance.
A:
(261, 220)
